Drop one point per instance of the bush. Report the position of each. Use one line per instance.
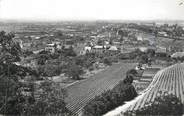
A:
(107, 61)
(27, 53)
(50, 101)
(69, 52)
(91, 68)
(42, 58)
(110, 99)
(132, 55)
(132, 72)
(151, 52)
(51, 70)
(129, 79)
(143, 59)
(74, 71)
(17, 97)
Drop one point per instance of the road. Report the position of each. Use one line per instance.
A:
(81, 93)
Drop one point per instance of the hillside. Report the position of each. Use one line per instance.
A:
(81, 93)
(169, 79)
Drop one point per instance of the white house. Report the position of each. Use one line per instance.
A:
(140, 38)
(113, 48)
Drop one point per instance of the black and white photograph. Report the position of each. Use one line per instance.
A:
(91, 57)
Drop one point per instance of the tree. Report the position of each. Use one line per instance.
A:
(50, 101)
(41, 59)
(74, 71)
(111, 41)
(80, 60)
(51, 69)
(11, 88)
(27, 53)
(143, 59)
(17, 93)
(128, 79)
(151, 52)
(123, 33)
(107, 61)
(100, 42)
(58, 34)
(69, 52)
(89, 62)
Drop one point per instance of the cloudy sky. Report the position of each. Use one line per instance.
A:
(91, 9)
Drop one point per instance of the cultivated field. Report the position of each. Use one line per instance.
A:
(169, 80)
(83, 92)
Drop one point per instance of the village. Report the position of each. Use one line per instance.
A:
(93, 57)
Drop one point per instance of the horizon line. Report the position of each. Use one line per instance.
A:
(89, 20)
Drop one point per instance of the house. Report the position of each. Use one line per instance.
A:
(113, 49)
(26, 45)
(38, 51)
(140, 38)
(87, 49)
(116, 43)
(177, 55)
(162, 33)
(50, 48)
(161, 52)
(98, 49)
(143, 49)
(149, 73)
(106, 42)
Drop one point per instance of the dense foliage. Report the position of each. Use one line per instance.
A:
(10, 87)
(49, 101)
(17, 88)
(74, 71)
(64, 61)
(111, 99)
(132, 55)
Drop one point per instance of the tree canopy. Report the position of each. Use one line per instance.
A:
(17, 85)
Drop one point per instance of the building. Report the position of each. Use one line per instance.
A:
(177, 55)
(50, 47)
(98, 49)
(161, 52)
(162, 33)
(113, 49)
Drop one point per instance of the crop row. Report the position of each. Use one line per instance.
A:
(169, 79)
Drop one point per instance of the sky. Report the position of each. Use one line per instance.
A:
(53, 10)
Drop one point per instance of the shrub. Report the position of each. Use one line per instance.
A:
(27, 53)
(107, 61)
(91, 68)
(17, 96)
(74, 71)
(132, 72)
(143, 59)
(50, 101)
(129, 79)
